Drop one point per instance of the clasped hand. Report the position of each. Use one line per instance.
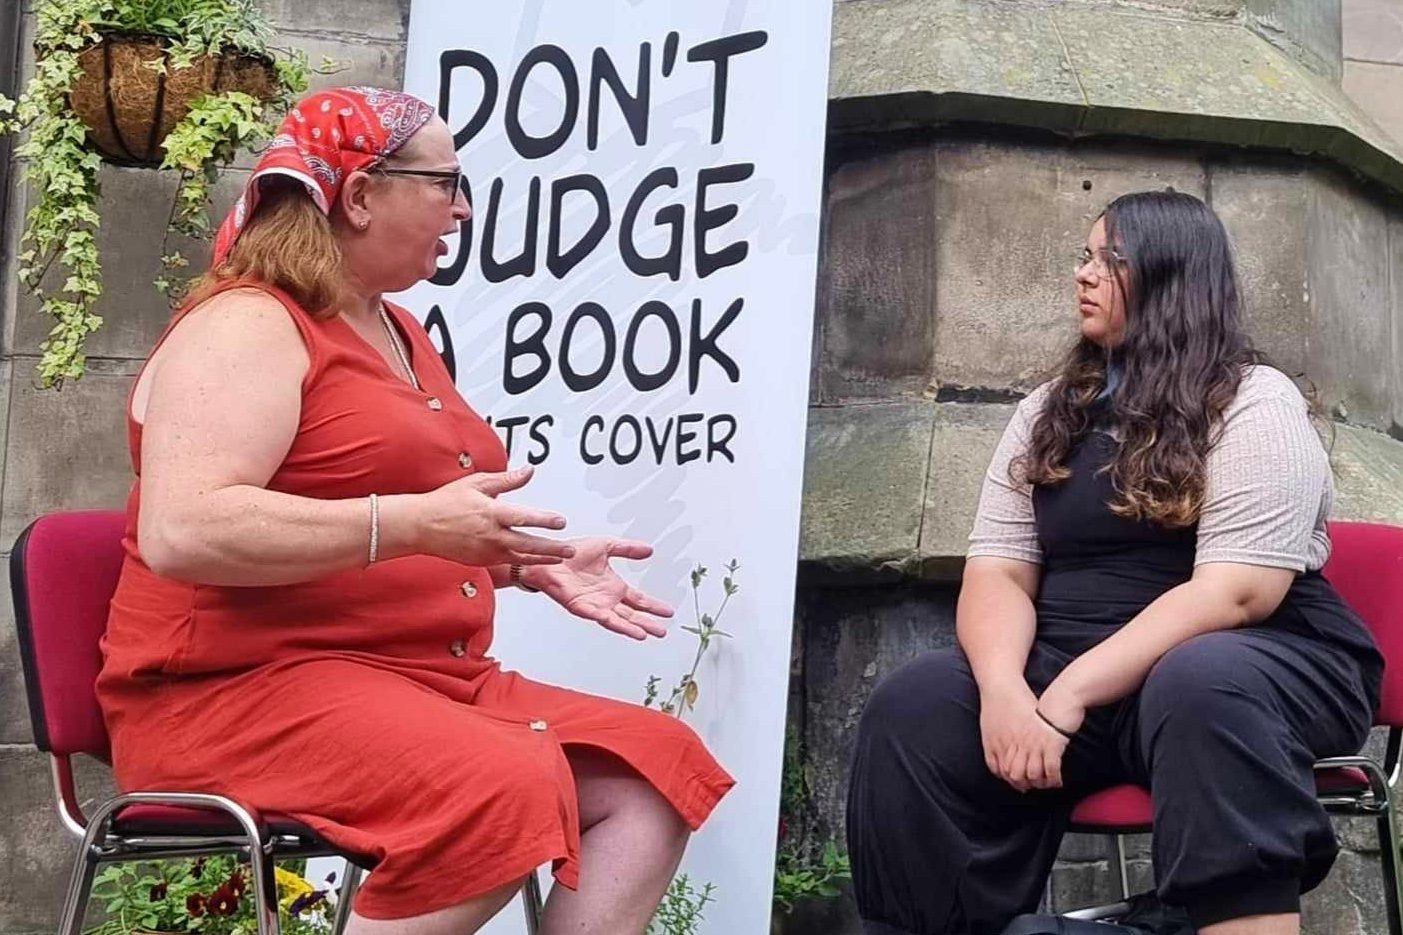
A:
(1019, 746)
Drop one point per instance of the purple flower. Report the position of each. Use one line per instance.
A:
(306, 901)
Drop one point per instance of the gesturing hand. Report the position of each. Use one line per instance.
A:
(463, 521)
(587, 586)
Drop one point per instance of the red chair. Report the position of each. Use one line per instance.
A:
(63, 572)
(1366, 567)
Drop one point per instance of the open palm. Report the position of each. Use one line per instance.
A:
(587, 586)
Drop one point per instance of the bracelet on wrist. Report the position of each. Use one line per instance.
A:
(1046, 720)
(374, 530)
(514, 576)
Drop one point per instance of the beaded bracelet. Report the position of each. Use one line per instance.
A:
(374, 529)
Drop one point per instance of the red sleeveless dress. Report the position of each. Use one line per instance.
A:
(364, 703)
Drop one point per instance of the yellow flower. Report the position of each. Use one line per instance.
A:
(290, 886)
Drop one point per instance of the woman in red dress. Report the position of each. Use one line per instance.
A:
(313, 542)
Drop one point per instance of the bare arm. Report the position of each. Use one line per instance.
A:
(219, 418)
(1266, 487)
(994, 619)
(1219, 596)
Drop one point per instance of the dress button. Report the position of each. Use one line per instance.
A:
(469, 589)
(435, 403)
(538, 725)
(458, 648)
(465, 461)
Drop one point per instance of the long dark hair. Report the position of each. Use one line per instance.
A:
(1181, 361)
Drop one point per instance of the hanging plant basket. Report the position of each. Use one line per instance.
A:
(129, 105)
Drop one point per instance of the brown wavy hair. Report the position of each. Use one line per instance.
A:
(1181, 362)
(287, 243)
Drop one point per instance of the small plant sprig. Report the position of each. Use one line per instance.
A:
(680, 912)
(798, 876)
(684, 694)
(681, 909)
(804, 866)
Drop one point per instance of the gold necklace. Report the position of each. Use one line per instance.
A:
(398, 348)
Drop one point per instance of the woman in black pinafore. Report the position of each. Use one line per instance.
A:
(1142, 603)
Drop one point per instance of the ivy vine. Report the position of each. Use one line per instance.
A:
(61, 164)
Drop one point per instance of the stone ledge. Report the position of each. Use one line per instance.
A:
(890, 489)
(1078, 72)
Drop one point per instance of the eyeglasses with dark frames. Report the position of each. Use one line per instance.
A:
(445, 177)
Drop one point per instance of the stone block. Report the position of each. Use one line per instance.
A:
(864, 480)
(1368, 475)
(902, 46)
(9, 248)
(1012, 218)
(1395, 265)
(1350, 353)
(1373, 31)
(14, 710)
(66, 449)
(36, 851)
(135, 208)
(1308, 30)
(370, 62)
(1263, 207)
(1378, 90)
(1349, 902)
(854, 637)
(1078, 886)
(962, 443)
(1085, 848)
(1163, 76)
(378, 19)
(877, 275)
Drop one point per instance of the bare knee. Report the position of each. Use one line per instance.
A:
(460, 919)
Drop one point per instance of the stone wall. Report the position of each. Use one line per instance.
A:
(1373, 60)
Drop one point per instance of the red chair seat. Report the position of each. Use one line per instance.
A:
(144, 820)
(141, 821)
(1128, 808)
(1124, 808)
(1337, 781)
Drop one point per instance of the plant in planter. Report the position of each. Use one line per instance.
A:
(175, 84)
(208, 895)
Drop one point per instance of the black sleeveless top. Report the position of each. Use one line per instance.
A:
(1100, 570)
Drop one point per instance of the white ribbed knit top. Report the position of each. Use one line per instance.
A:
(1269, 489)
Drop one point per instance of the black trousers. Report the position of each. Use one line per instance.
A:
(1224, 732)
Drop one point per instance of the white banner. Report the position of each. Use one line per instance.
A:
(631, 306)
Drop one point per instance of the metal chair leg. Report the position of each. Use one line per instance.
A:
(265, 890)
(1123, 866)
(1389, 857)
(80, 885)
(531, 902)
(350, 882)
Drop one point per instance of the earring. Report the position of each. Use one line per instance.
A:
(364, 223)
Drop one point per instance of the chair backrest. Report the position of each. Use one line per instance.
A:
(1366, 568)
(63, 573)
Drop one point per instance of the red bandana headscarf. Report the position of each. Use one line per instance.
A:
(325, 138)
